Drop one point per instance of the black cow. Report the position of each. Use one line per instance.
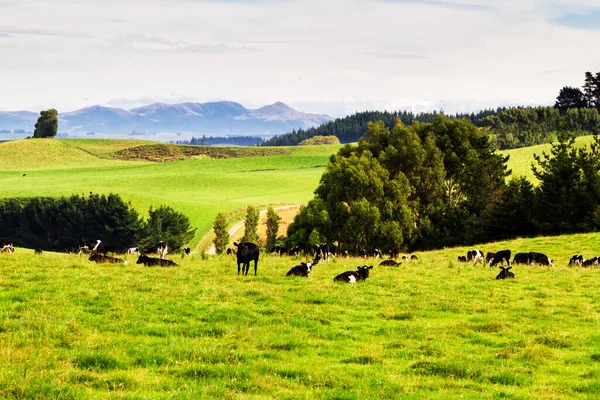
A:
(37, 251)
(389, 263)
(245, 253)
(361, 274)
(281, 250)
(187, 251)
(521, 258)
(229, 251)
(394, 252)
(152, 261)
(414, 258)
(505, 273)
(101, 258)
(499, 256)
(539, 258)
(300, 270)
(462, 259)
(475, 255)
(489, 256)
(576, 260)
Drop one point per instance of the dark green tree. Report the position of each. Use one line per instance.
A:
(272, 227)
(166, 224)
(570, 97)
(251, 224)
(221, 233)
(47, 124)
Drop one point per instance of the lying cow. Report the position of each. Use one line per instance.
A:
(300, 270)
(361, 274)
(505, 273)
(389, 263)
(462, 259)
(101, 258)
(153, 261)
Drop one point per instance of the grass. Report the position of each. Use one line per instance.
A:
(428, 329)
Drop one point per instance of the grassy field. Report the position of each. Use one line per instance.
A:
(428, 329)
(198, 185)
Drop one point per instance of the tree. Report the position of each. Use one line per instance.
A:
(166, 224)
(591, 90)
(251, 224)
(570, 97)
(221, 233)
(47, 124)
(272, 227)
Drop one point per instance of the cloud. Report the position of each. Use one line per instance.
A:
(41, 32)
(220, 48)
(583, 20)
(137, 39)
(4, 35)
(398, 56)
(446, 4)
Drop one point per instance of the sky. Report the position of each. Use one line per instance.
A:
(332, 57)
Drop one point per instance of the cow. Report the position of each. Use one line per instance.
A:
(162, 249)
(322, 250)
(376, 254)
(152, 261)
(229, 251)
(187, 251)
(394, 252)
(133, 250)
(489, 257)
(576, 260)
(361, 274)
(294, 251)
(300, 270)
(539, 258)
(405, 257)
(389, 263)
(362, 252)
(37, 251)
(414, 258)
(7, 245)
(499, 256)
(281, 250)
(101, 258)
(245, 253)
(475, 255)
(462, 259)
(90, 245)
(521, 258)
(505, 273)
(590, 262)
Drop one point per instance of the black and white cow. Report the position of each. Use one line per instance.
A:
(462, 259)
(505, 273)
(229, 251)
(376, 254)
(389, 263)
(577, 259)
(405, 257)
(475, 256)
(590, 262)
(101, 258)
(521, 258)
(133, 250)
(322, 250)
(7, 245)
(153, 261)
(362, 252)
(361, 274)
(294, 251)
(300, 270)
(162, 249)
(186, 251)
(499, 256)
(90, 245)
(245, 253)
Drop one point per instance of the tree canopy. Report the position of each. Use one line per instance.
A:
(47, 124)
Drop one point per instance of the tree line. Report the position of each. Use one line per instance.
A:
(230, 140)
(56, 224)
(437, 184)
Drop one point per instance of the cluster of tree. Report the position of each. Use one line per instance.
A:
(521, 127)
(220, 228)
(437, 184)
(586, 97)
(56, 224)
(229, 140)
(47, 124)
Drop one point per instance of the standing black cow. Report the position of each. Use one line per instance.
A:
(539, 258)
(361, 274)
(245, 253)
(499, 256)
(521, 258)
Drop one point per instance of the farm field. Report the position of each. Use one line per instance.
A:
(198, 185)
(428, 329)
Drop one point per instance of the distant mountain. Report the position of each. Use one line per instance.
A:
(216, 118)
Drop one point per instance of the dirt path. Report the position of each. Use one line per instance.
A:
(237, 227)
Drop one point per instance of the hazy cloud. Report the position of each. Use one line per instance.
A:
(446, 4)
(583, 20)
(398, 56)
(219, 48)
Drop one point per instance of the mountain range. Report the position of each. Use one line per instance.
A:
(221, 118)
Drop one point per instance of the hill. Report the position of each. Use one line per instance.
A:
(429, 329)
(156, 120)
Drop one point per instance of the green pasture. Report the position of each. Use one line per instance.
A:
(198, 187)
(432, 329)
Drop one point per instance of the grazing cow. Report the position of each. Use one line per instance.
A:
(462, 259)
(539, 258)
(281, 250)
(300, 270)
(133, 250)
(576, 260)
(405, 257)
(101, 258)
(245, 253)
(394, 252)
(152, 261)
(499, 256)
(37, 251)
(521, 258)
(475, 255)
(489, 256)
(360, 274)
(389, 263)
(590, 262)
(505, 273)
(362, 252)
(187, 251)
(294, 251)
(414, 258)
(162, 249)
(377, 254)
(7, 245)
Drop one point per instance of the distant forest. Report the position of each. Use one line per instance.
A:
(576, 111)
(231, 140)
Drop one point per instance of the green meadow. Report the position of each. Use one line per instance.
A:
(434, 328)
(200, 186)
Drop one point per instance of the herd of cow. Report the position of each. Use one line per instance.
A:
(247, 252)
